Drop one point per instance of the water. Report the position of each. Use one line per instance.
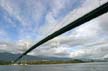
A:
(102, 66)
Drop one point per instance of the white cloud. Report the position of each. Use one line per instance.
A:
(8, 47)
(94, 51)
(88, 29)
(85, 37)
(62, 51)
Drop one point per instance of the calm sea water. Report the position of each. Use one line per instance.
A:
(102, 66)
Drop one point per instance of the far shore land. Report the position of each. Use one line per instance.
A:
(35, 62)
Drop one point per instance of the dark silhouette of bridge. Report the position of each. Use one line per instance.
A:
(87, 17)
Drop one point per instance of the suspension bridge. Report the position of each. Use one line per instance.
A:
(102, 9)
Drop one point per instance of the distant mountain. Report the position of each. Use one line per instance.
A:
(10, 57)
(94, 59)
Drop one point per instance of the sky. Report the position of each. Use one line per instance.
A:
(24, 23)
